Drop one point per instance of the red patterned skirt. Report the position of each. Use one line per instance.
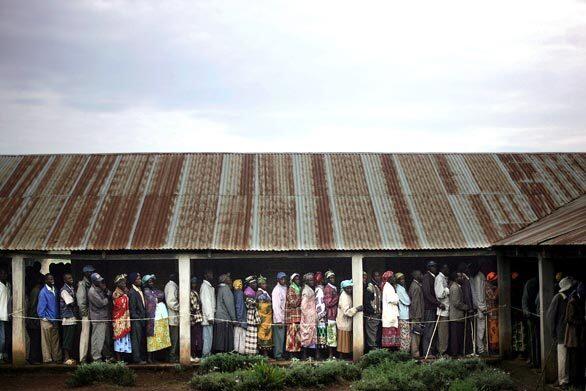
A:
(391, 337)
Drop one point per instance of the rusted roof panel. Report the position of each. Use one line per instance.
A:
(262, 202)
(565, 226)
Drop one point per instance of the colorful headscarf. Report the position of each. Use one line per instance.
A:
(385, 277)
(329, 273)
(237, 284)
(318, 277)
(146, 278)
(492, 276)
(249, 280)
(292, 283)
(399, 275)
(307, 276)
(223, 278)
(120, 277)
(281, 275)
(293, 276)
(261, 279)
(346, 283)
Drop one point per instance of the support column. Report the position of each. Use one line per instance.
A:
(184, 310)
(358, 320)
(19, 308)
(503, 266)
(546, 288)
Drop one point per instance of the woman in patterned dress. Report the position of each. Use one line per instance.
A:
(158, 324)
(293, 314)
(492, 295)
(322, 317)
(252, 318)
(195, 320)
(121, 317)
(265, 312)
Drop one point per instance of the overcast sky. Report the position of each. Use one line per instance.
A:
(126, 76)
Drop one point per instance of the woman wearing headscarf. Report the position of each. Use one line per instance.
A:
(390, 335)
(265, 313)
(121, 317)
(491, 298)
(240, 326)
(195, 321)
(346, 312)
(331, 301)
(308, 326)
(158, 337)
(252, 318)
(293, 314)
(225, 315)
(322, 317)
(404, 304)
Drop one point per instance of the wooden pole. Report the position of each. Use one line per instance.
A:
(503, 266)
(358, 319)
(546, 285)
(184, 310)
(19, 309)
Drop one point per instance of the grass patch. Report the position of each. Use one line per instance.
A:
(101, 372)
(378, 356)
(229, 362)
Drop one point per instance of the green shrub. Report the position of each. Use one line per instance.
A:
(229, 362)
(332, 371)
(101, 372)
(393, 375)
(300, 374)
(263, 376)
(463, 385)
(378, 356)
(491, 379)
(215, 381)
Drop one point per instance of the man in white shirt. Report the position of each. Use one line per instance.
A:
(478, 286)
(172, 301)
(5, 297)
(442, 292)
(207, 295)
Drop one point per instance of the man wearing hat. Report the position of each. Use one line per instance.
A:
(556, 316)
(279, 296)
(98, 299)
(81, 297)
(137, 318)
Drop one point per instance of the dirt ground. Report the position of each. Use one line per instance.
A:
(172, 380)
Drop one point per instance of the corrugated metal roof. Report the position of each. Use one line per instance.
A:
(279, 201)
(565, 226)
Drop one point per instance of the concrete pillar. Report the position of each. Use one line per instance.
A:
(184, 310)
(19, 309)
(504, 289)
(358, 320)
(546, 289)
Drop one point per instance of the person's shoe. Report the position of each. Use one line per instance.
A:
(195, 360)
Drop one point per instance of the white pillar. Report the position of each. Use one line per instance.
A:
(358, 320)
(503, 266)
(19, 308)
(546, 285)
(184, 311)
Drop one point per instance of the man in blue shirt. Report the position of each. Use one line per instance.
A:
(48, 311)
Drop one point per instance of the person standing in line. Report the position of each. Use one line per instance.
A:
(252, 318)
(98, 299)
(225, 316)
(195, 319)
(48, 310)
(346, 312)
(390, 312)
(529, 305)
(492, 315)
(575, 337)
(265, 313)
(69, 314)
(293, 314)
(207, 296)
(372, 311)
(478, 288)
(457, 312)
(121, 318)
(279, 297)
(442, 292)
(322, 316)
(138, 316)
(331, 298)
(240, 326)
(404, 304)
(5, 299)
(172, 301)
(464, 268)
(83, 287)
(308, 325)
(416, 312)
(431, 306)
(33, 325)
(157, 329)
(556, 317)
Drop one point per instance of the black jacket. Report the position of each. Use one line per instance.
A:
(136, 306)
